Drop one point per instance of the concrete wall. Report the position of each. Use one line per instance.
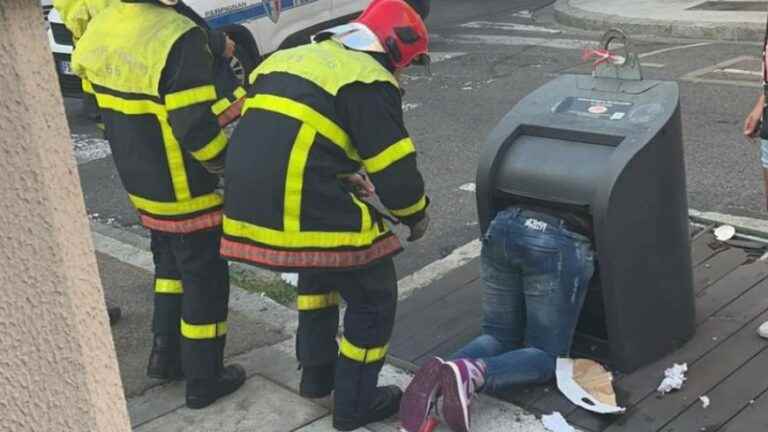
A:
(58, 370)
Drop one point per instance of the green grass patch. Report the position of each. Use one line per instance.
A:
(276, 288)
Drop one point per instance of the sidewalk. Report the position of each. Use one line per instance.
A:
(721, 19)
(260, 339)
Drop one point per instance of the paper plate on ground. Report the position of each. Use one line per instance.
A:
(725, 232)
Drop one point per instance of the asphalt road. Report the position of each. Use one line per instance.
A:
(490, 54)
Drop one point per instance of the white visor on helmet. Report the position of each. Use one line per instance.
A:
(354, 36)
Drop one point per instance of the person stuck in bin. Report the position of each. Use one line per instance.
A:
(756, 125)
(314, 116)
(536, 264)
(150, 70)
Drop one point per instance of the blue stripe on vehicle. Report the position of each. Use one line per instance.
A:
(249, 13)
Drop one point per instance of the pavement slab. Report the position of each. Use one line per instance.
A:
(260, 405)
(130, 288)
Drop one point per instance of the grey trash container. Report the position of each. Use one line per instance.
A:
(610, 149)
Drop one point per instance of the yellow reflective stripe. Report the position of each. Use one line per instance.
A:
(390, 155)
(193, 205)
(173, 153)
(220, 106)
(365, 215)
(88, 87)
(203, 331)
(306, 302)
(304, 239)
(363, 355)
(408, 211)
(239, 93)
(168, 286)
(175, 162)
(212, 149)
(189, 97)
(294, 181)
(131, 106)
(306, 114)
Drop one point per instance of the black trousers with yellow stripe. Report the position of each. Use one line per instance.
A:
(371, 297)
(191, 298)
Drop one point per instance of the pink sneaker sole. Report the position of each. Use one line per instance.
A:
(418, 397)
(455, 403)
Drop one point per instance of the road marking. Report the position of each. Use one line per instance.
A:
(507, 26)
(437, 57)
(739, 72)
(523, 14)
(696, 76)
(521, 41)
(674, 48)
(652, 65)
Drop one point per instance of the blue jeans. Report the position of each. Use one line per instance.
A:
(535, 274)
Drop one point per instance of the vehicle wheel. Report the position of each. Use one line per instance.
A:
(242, 63)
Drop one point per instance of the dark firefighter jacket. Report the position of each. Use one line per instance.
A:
(153, 86)
(315, 113)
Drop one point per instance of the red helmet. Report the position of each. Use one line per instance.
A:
(400, 29)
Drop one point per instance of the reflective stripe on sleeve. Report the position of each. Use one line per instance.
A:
(189, 97)
(420, 205)
(212, 149)
(390, 155)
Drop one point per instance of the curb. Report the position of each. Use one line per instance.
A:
(572, 16)
(751, 228)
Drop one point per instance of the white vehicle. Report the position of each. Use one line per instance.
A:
(258, 27)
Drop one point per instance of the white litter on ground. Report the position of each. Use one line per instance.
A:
(674, 378)
(88, 148)
(704, 401)
(410, 106)
(290, 278)
(587, 384)
(725, 232)
(556, 423)
(469, 187)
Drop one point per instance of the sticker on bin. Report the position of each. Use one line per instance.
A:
(594, 108)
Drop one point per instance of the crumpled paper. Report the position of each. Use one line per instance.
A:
(674, 378)
(556, 423)
(587, 384)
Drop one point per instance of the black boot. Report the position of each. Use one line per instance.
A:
(203, 392)
(316, 381)
(165, 359)
(385, 404)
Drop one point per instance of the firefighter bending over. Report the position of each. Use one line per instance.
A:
(314, 115)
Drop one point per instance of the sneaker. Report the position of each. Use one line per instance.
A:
(420, 395)
(460, 381)
(763, 330)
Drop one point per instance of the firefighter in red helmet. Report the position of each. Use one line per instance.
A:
(315, 115)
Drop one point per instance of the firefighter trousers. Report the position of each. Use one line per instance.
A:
(192, 298)
(371, 297)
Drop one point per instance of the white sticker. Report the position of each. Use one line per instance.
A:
(618, 116)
